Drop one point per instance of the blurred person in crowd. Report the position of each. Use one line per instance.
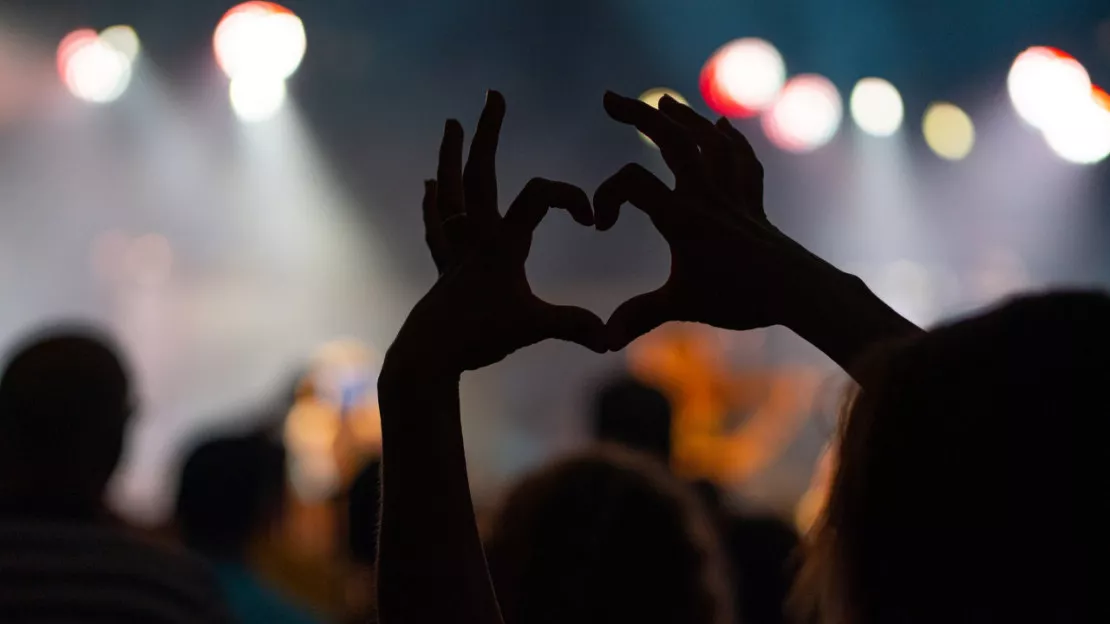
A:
(591, 537)
(361, 528)
(635, 415)
(231, 495)
(65, 403)
(761, 551)
(763, 554)
(968, 479)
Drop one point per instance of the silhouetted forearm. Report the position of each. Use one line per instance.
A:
(431, 567)
(840, 315)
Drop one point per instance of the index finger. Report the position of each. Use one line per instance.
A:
(480, 175)
(679, 151)
(637, 186)
(530, 207)
(709, 138)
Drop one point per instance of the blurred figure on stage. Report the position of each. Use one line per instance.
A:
(331, 430)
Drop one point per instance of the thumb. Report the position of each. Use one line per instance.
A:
(572, 324)
(638, 316)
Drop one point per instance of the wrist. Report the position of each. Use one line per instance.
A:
(838, 314)
(402, 374)
(817, 295)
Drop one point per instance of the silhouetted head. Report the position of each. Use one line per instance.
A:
(363, 503)
(969, 484)
(65, 402)
(763, 553)
(608, 536)
(231, 490)
(635, 415)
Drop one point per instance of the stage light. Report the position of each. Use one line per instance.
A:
(806, 115)
(1046, 84)
(70, 44)
(1083, 137)
(259, 40)
(256, 99)
(124, 39)
(651, 97)
(948, 131)
(876, 107)
(743, 78)
(92, 69)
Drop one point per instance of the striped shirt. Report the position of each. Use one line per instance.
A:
(68, 572)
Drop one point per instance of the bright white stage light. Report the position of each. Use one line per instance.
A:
(256, 99)
(806, 115)
(876, 107)
(1046, 85)
(259, 40)
(948, 131)
(124, 39)
(92, 69)
(1082, 137)
(743, 77)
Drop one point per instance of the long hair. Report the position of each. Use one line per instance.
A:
(957, 495)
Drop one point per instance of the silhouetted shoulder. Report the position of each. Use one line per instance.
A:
(54, 570)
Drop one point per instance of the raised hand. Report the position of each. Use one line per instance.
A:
(729, 266)
(482, 309)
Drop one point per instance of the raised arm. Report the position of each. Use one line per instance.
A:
(730, 267)
(431, 566)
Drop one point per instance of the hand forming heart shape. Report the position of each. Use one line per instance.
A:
(729, 266)
(482, 309)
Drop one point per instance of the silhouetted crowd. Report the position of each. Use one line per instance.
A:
(964, 482)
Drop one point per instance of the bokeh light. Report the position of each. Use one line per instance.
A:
(1046, 85)
(1082, 137)
(948, 131)
(651, 97)
(876, 107)
(259, 40)
(92, 69)
(256, 99)
(70, 44)
(124, 39)
(806, 115)
(743, 78)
